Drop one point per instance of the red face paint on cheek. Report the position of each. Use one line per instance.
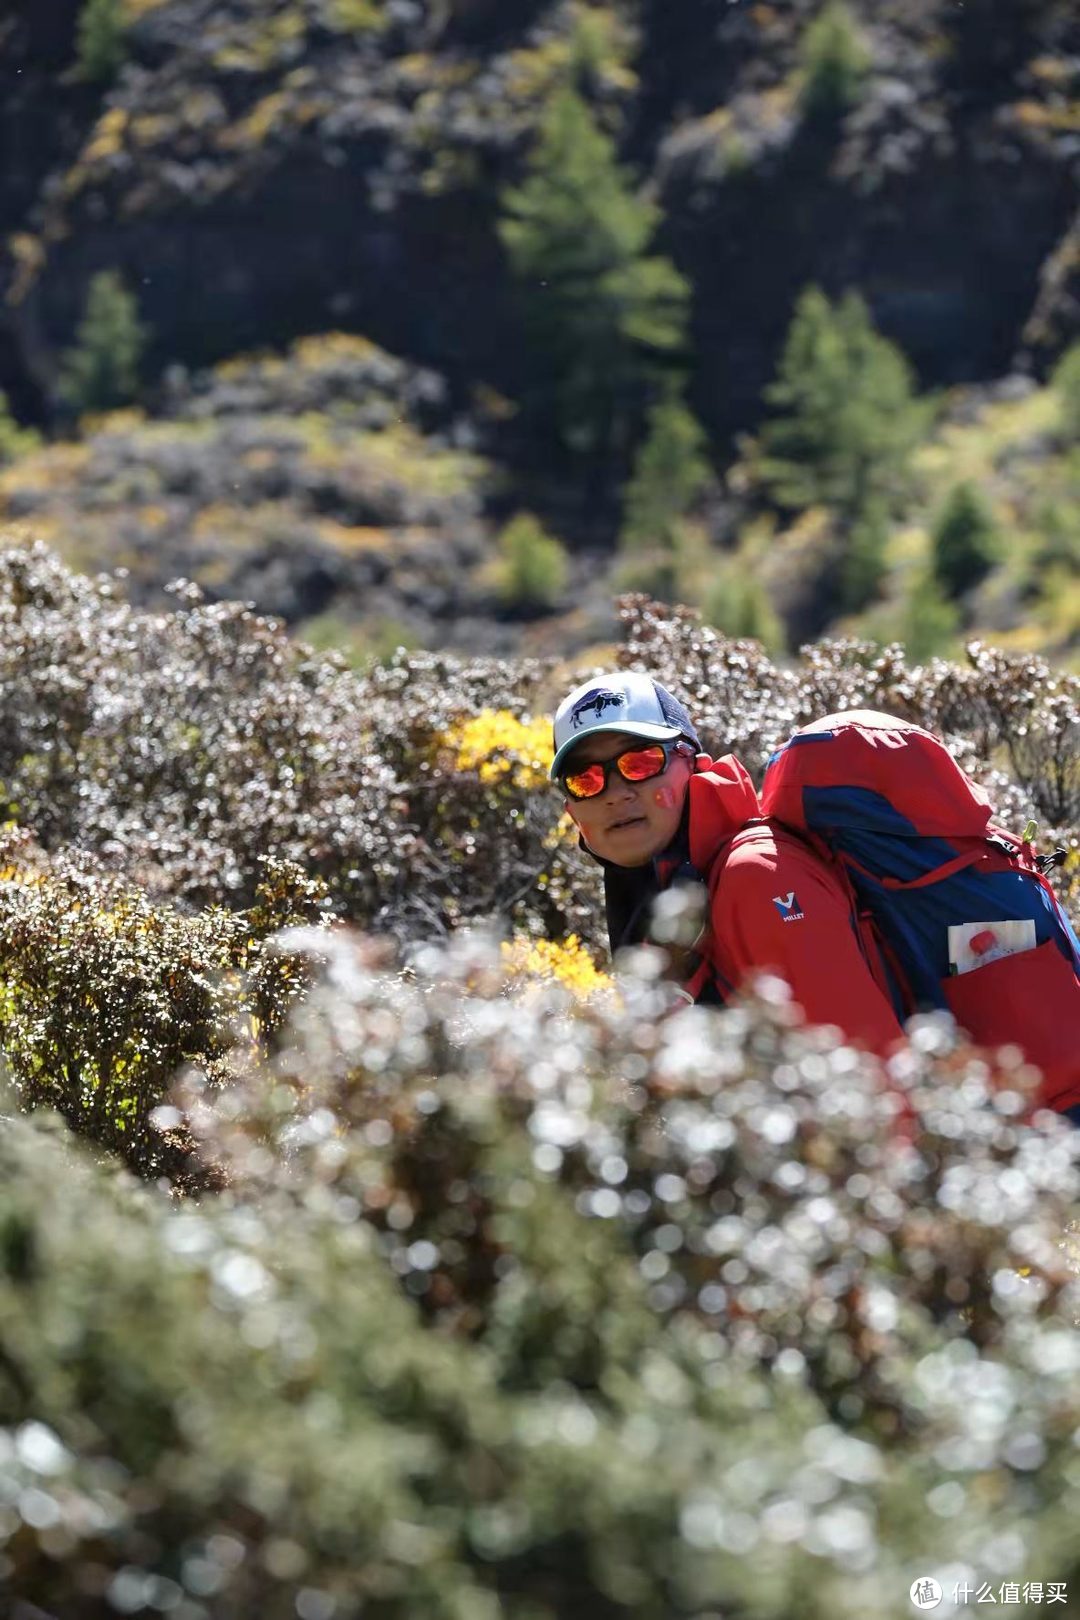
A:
(666, 797)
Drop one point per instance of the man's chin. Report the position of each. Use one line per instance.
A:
(632, 845)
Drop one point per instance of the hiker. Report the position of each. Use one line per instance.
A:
(653, 809)
(868, 874)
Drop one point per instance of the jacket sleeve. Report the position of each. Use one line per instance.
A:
(777, 908)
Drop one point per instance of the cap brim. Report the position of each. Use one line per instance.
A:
(632, 728)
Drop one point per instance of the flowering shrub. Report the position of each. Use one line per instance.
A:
(569, 963)
(497, 745)
(515, 1308)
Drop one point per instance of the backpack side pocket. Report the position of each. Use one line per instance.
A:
(1032, 996)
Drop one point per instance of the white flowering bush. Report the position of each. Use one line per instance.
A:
(545, 1307)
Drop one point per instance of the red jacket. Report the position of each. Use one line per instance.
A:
(775, 905)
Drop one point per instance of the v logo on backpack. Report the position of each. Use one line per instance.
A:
(954, 912)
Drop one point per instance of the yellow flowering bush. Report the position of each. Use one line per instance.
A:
(567, 961)
(493, 812)
(500, 747)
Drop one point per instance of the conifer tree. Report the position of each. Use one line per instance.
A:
(965, 543)
(834, 61)
(662, 551)
(670, 472)
(846, 416)
(101, 371)
(603, 311)
(101, 43)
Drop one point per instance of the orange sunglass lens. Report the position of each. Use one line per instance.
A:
(641, 763)
(586, 784)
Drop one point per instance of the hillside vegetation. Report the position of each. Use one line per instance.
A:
(438, 322)
(406, 1264)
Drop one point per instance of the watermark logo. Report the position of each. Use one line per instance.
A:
(926, 1593)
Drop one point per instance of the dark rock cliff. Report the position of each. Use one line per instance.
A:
(260, 170)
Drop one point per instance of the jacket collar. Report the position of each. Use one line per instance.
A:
(721, 799)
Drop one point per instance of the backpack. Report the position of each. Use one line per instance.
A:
(953, 911)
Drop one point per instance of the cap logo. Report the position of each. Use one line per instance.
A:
(599, 699)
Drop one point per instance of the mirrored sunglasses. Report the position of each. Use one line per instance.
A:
(635, 765)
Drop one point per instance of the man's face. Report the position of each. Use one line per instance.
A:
(629, 822)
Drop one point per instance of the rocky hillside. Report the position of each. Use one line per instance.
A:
(324, 185)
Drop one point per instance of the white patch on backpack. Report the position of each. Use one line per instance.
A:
(788, 907)
(976, 945)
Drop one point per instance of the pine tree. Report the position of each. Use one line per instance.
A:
(101, 371)
(101, 44)
(835, 60)
(965, 543)
(847, 418)
(863, 562)
(533, 564)
(670, 472)
(603, 313)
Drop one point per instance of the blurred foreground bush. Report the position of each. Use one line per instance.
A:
(514, 1309)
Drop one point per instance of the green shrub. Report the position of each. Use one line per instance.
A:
(14, 440)
(964, 540)
(533, 565)
(1066, 382)
(738, 605)
(1058, 527)
(671, 470)
(101, 371)
(931, 621)
(834, 59)
(104, 996)
(845, 417)
(662, 550)
(180, 747)
(603, 312)
(101, 43)
(675, 568)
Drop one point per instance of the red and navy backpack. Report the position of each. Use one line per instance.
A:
(955, 912)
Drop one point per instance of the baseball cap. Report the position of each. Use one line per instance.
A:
(626, 702)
